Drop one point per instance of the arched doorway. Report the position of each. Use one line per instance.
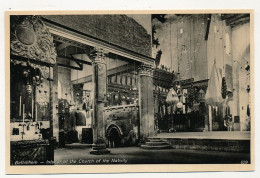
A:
(114, 137)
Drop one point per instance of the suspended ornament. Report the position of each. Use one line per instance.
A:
(37, 79)
(66, 105)
(26, 73)
(29, 88)
(213, 94)
(178, 91)
(248, 110)
(248, 88)
(247, 67)
(45, 104)
(226, 112)
(172, 97)
(179, 105)
(201, 95)
(116, 97)
(191, 95)
(158, 57)
(224, 88)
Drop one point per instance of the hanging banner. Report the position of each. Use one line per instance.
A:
(213, 95)
(223, 88)
(228, 77)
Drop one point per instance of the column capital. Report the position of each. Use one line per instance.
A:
(98, 55)
(145, 69)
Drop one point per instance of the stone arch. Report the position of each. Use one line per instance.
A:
(113, 126)
(114, 136)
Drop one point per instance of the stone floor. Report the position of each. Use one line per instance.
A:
(234, 135)
(74, 154)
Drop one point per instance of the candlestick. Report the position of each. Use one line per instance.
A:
(36, 127)
(20, 107)
(23, 133)
(23, 112)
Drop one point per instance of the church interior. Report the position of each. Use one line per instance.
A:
(111, 81)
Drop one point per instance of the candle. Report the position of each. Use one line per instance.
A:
(20, 107)
(23, 112)
(32, 107)
(36, 113)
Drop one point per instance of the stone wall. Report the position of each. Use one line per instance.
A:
(182, 41)
(241, 55)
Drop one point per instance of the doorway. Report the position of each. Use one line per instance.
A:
(114, 139)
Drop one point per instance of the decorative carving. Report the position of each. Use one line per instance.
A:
(145, 69)
(163, 78)
(31, 39)
(98, 55)
(45, 72)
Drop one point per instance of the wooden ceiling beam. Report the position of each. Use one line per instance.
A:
(235, 19)
(62, 46)
(71, 58)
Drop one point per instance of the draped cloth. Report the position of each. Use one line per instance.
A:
(213, 95)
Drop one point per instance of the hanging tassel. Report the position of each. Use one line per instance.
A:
(224, 88)
(191, 96)
(248, 110)
(226, 114)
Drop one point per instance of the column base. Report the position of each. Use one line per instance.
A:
(99, 149)
(100, 152)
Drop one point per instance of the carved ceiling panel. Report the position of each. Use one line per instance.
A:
(31, 39)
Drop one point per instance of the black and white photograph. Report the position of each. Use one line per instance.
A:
(130, 89)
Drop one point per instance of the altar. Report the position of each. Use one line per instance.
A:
(32, 61)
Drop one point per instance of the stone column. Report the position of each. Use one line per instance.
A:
(55, 103)
(50, 148)
(146, 103)
(99, 81)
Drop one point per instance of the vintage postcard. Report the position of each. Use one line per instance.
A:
(129, 91)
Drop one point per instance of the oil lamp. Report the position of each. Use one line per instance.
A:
(26, 73)
(29, 88)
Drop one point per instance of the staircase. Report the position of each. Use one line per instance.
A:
(156, 144)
